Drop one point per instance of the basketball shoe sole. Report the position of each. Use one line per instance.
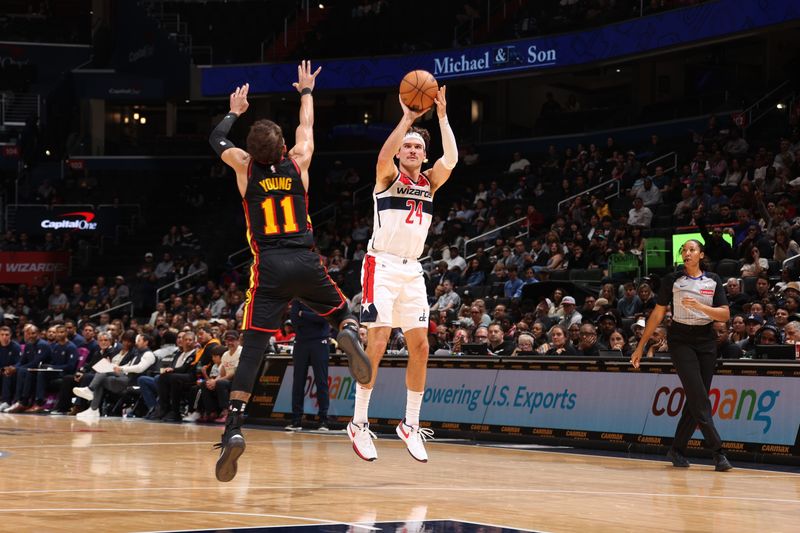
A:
(357, 360)
(231, 451)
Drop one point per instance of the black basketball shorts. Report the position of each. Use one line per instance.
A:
(281, 275)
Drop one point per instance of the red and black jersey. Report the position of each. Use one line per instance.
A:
(276, 207)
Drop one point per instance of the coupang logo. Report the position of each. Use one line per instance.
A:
(78, 221)
(732, 404)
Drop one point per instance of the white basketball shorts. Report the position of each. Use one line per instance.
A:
(393, 292)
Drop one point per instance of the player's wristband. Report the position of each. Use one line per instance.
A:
(305, 91)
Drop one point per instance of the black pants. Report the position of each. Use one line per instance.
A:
(171, 388)
(68, 382)
(694, 354)
(314, 354)
(214, 401)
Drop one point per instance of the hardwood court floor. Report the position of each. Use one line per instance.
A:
(59, 474)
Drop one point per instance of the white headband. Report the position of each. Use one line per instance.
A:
(415, 135)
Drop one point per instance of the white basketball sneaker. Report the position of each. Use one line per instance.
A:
(415, 437)
(83, 392)
(362, 438)
(89, 414)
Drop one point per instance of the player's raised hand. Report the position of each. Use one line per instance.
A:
(441, 102)
(408, 112)
(305, 78)
(239, 102)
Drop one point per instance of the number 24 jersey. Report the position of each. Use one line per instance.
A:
(403, 214)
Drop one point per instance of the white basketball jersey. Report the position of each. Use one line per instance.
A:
(403, 214)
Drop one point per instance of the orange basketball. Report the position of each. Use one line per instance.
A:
(418, 89)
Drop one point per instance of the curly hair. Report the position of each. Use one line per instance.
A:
(265, 142)
(424, 133)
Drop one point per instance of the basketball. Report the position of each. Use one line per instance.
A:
(418, 89)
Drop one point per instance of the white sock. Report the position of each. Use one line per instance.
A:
(362, 405)
(413, 404)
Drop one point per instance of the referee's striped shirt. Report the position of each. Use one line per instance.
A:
(706, 289)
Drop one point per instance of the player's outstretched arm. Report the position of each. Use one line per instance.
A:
(234, 157)
(304, 135)
(386, 169)
(445, 164)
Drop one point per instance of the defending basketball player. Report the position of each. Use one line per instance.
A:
(274, 185)
(393, 285)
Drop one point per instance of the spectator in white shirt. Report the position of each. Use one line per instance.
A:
(649, 193)
(456, 260)
(640, 215)
(519, 165)
(571, 316)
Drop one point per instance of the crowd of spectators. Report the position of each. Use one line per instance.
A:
(81, 299)
(741, 198)
(493, 245)
(161, 373)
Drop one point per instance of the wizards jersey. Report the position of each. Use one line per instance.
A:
(403, 214)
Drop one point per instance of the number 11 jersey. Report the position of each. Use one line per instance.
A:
(403, 214)
(276, 207)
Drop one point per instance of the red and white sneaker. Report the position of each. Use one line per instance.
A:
(415, 437)
(362, 438)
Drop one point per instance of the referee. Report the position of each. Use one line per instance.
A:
(697, 299)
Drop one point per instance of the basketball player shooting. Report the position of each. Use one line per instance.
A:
(392, 278)
(274, 185)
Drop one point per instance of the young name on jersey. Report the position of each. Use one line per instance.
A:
(276, 184)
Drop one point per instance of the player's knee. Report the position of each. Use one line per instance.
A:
(418, 348)
(340, 315)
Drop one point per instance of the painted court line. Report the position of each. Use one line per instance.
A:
(183, 511)
(108, 445)
(577, 453)
(441, 442)
(415, 489)
(361, 525)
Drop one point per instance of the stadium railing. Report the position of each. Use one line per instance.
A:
(129, 303)
(608, 183)
(178, 281)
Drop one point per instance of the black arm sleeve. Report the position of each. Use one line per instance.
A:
(218, 139)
